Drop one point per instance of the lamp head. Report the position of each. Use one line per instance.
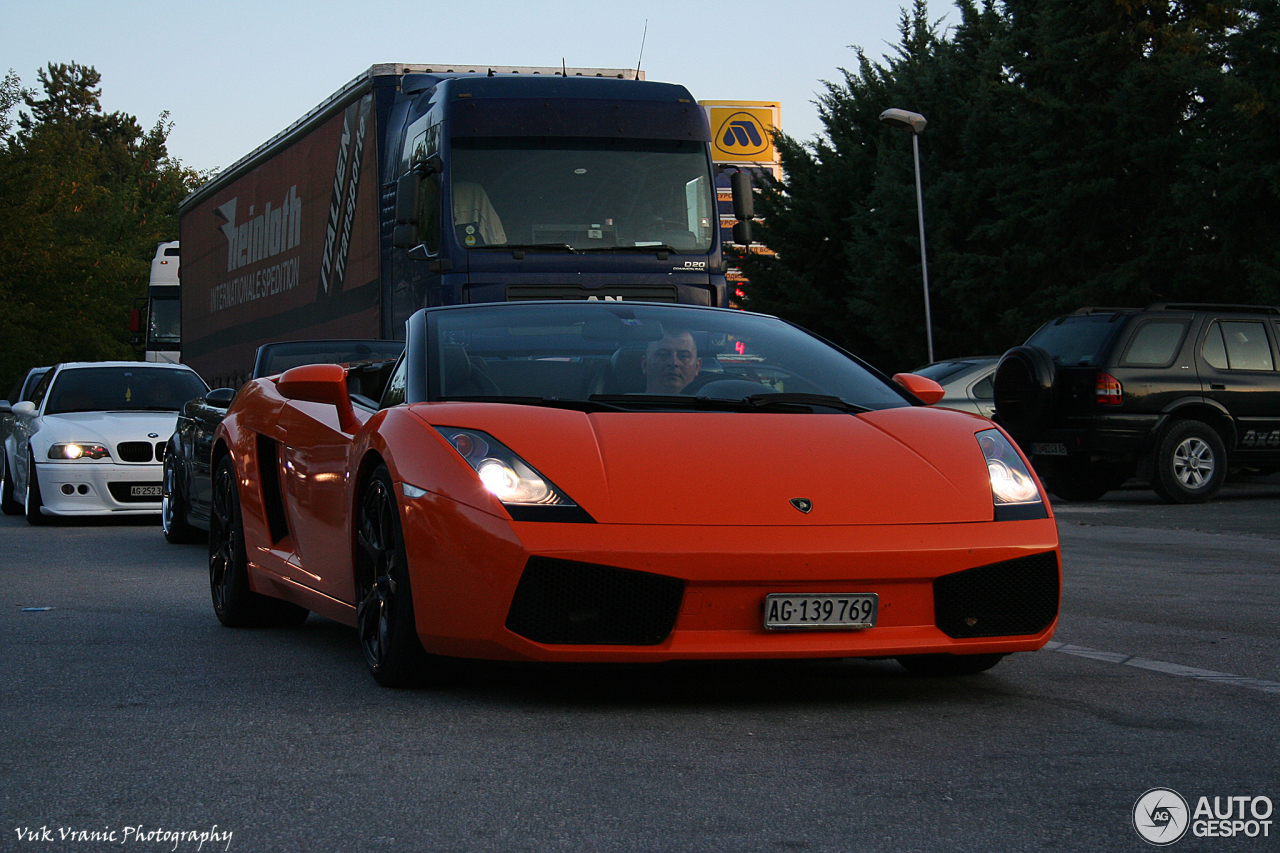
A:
(904, 119)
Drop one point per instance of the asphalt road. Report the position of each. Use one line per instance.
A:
(133, 721)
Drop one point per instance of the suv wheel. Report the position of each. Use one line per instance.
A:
(1191, 463)
(1023, 388)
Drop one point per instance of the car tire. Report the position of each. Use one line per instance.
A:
(948, 665)
(1190, 463)
(1023, 388)
(385, 620)
(8, 503)
(33, 503)
(173, 508)
(234, 603)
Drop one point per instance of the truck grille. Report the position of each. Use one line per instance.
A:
(561, 602)
(626, 292)
(1011, 598)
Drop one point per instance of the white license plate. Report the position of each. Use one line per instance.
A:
(845, 612)
(146, 491)
(1049, 448)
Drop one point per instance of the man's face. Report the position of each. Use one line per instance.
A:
(670, 364)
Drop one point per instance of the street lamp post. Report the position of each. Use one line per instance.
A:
(915, 123)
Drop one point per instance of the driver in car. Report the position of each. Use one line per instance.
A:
(671, 363)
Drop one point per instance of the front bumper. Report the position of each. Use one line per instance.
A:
(466, 574)
(91, 487)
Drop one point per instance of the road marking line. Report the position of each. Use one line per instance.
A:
(1167, 668)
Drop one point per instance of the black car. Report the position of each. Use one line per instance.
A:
(1174, 394)
(187, 496)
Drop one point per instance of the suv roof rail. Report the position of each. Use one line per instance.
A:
(1095, 310)
(1211, 306)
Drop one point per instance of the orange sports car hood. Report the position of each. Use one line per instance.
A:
(746, 469)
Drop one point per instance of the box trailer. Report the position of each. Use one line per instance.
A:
(421, 185)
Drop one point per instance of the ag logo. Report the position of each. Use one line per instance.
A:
(742, 135)
(1161, 816)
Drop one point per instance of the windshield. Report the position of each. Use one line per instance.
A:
(641, 355)
(582, 193)
(122, 389)
(165, 325)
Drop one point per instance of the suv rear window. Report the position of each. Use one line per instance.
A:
(1077, 340)
(1155, 343)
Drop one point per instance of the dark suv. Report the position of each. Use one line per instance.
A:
(1172, 394)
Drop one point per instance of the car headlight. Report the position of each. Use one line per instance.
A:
(78, 450)
(525, 493)
(1013, 490)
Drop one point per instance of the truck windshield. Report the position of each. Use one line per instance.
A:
(584, 194)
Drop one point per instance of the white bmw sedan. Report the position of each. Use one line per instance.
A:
(91, 439)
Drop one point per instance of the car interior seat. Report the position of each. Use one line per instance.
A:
(463, 376)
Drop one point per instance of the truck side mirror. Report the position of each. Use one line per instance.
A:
(744, 200)
(405, 234)
(744, 206)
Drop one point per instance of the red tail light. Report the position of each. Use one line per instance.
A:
(1109, 390)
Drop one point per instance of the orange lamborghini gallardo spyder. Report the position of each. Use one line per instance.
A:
(606, 481)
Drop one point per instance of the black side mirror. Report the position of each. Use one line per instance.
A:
(220, 398)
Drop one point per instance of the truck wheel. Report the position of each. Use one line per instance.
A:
(1191, 463)
(1023, 388)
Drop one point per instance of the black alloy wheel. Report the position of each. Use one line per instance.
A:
(234, 603)
(384, 602)
(173, 508)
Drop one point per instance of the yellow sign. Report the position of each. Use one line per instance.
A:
(742, 131)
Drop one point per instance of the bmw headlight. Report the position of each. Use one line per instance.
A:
(1013, 490)
(512, 480)
(78, 450)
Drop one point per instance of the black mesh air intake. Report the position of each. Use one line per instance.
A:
(1003, 599)
(560, 602)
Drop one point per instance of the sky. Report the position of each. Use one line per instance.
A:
(232, 74)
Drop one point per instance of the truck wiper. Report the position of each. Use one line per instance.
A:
(518, 249)
(653, 248)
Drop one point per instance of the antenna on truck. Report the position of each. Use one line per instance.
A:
(564, 69)
(642, 38)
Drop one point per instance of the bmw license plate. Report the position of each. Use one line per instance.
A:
(146, 491)
(845, 612)
(1048, 448)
